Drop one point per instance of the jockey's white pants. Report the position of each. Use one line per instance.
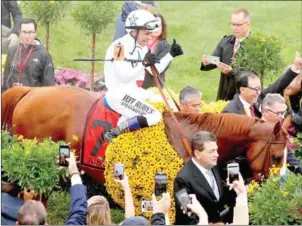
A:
(130, 105)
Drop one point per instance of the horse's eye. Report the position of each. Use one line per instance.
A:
(276, 158)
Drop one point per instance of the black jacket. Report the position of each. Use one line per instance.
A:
(7, 8)
(38, 71)
(235, 105)
(162, 48)
(194, 182)
(227, 83)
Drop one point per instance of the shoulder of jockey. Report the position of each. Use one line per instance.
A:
(123, 74)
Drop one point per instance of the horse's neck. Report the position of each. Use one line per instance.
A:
(234, 140)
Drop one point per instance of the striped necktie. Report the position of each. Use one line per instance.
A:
(236, 47)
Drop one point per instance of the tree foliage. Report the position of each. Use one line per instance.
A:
(94, 16)
(261, 54)
(45, 11)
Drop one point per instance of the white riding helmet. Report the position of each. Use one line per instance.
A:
(141, 20)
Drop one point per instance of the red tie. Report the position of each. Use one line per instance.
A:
(236, 47)
(252, 110)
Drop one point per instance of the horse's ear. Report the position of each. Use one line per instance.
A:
(277, 128)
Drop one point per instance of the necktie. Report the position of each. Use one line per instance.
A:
(252, 111)
(236, 47)
(213, 184)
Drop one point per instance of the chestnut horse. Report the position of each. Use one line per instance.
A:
(59, 113)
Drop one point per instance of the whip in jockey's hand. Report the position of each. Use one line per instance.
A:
(150, 59)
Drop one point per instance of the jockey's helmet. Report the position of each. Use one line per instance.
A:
(141, 20)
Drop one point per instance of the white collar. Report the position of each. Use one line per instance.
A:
(202, 169)
(244, 102)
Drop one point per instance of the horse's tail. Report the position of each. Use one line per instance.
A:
(9, 100)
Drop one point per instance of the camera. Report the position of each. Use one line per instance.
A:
(233, 172)
(183, 199)
(119, 171)
(161, 181)
(64, 152)
(147, 206)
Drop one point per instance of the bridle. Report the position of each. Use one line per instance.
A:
(268, 154)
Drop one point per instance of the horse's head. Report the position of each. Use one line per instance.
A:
(294, 87)
(263, 141)
(268, 147)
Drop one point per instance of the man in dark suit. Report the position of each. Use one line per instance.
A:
(226, 50)
(250, 96)
(200, 176)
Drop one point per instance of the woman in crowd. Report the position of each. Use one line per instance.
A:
(160, 47)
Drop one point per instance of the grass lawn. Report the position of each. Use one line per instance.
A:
(197, 26)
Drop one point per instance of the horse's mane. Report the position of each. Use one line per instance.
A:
(225, 123)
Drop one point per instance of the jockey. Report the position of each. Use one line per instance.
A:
(122, 77)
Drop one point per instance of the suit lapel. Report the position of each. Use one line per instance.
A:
(239, 105)
(200, 179)
(229, 50)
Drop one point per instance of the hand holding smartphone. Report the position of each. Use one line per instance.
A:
(213, 59)
(233, 172)
(161, 181)
(183, 199)
(119, 170)
(64, 153)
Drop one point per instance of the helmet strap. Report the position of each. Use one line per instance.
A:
(135, 40)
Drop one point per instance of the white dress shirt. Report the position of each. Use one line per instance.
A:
(209, 177)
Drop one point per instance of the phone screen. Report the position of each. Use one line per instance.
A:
(147, 206)
(183, 198)
(161, 181)
(64, 152)
(119, 171)
(233, 173)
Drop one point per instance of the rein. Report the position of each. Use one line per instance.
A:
(184, 140)
(269, 142)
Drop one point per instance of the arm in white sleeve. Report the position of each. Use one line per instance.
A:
(164, 63)
(123, 70)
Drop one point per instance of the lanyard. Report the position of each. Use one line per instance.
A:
(22, 65)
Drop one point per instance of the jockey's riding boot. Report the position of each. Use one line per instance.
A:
(128, 125)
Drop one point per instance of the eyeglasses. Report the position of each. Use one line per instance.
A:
(237, 25)
(279, 113)
(258, 90)
(28, 32)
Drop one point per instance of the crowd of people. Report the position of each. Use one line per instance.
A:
(139, 49)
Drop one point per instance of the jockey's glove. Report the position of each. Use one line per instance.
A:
(149, 60)
(176, 49)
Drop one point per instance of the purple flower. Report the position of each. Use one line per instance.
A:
(71, 77)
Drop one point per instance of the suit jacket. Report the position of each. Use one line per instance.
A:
(294, 164)
(194, 182)
(162, 48)
(78, 205)
(9, 209)
(227, 83)
(235, 105)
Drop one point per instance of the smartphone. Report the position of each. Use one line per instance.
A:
(147, 206)
(119, 169)
(233, 172)
(64, 152)
(213, 59)
(183, 199)
(161, 181)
